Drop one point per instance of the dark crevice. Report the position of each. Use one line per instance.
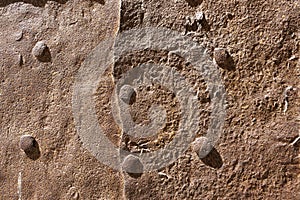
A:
(194, 3)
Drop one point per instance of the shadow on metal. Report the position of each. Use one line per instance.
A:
(213, 159)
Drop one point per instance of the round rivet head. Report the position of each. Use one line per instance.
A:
(223, 58)
(39, 49)
(202, 146)
(132, 165)
(19, 35)
(27, 142)
(127, 94)
(30, 146)
(41, 52)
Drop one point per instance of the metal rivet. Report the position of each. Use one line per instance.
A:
(30, 146)
(223, 58)
(19, 35)
(127, 94)
(202, 146)
(41, 52)
(132, 165)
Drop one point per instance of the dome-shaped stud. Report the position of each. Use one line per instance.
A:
(127, 94)
(223, 59)
(41, 52)
(133, 166)
(202, 146)
(30, 146)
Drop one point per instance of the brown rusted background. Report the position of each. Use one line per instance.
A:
(256, 157)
